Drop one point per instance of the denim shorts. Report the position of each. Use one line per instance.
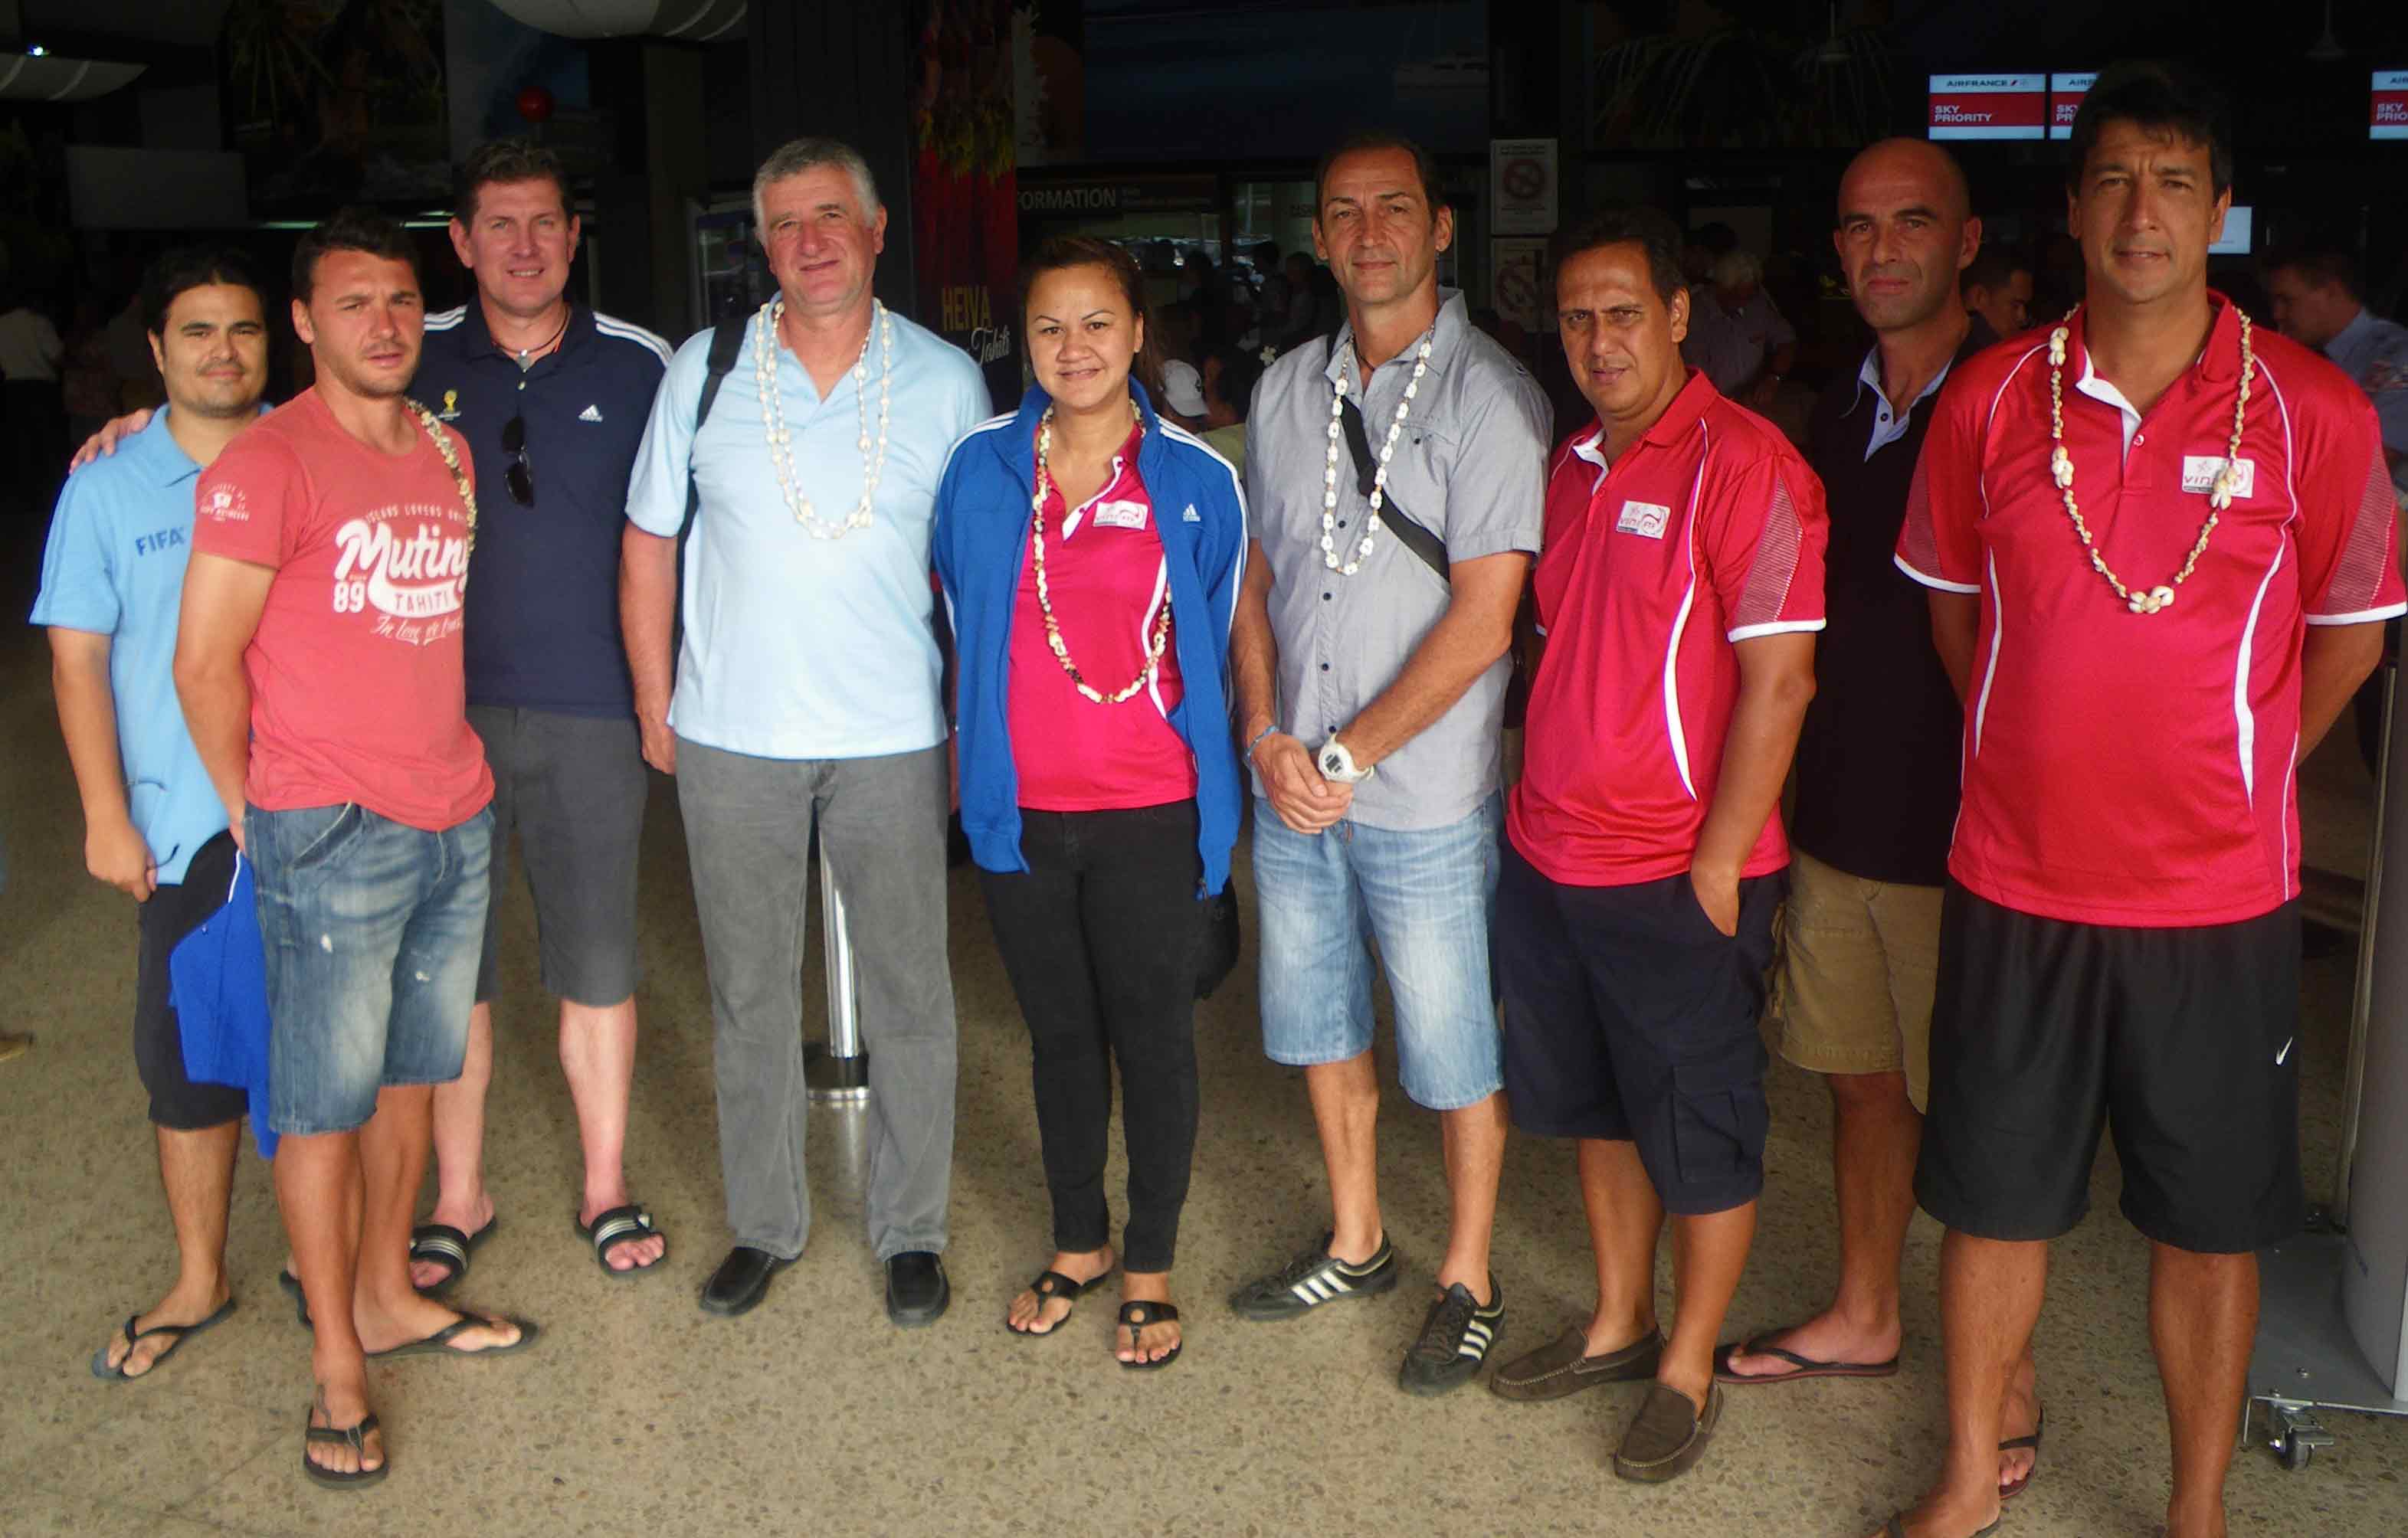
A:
(372, 930)
(1424, 897)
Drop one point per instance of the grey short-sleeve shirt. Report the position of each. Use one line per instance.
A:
(1471, 467)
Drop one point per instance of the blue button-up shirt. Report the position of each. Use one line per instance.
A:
(542, 610)
(2375, 352)
(797, 647)
(115, 567)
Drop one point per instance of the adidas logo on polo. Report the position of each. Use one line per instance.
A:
(591, 414)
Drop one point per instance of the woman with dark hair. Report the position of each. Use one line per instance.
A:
(1090, 552)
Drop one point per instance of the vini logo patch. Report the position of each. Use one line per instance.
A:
(2198, 474)
(1644, 519)
(1120, 515)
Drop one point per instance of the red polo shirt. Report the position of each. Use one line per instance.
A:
(2137, 769)
(1105, 575)
(1707, 532)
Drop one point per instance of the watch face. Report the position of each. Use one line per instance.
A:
(1331, 763)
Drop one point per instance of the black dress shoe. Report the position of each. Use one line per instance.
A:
(917, 1292)
(741, 1280)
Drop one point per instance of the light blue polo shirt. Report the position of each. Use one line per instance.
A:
(115, 567)
(797, 647)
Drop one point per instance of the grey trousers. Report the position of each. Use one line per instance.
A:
(881, 826)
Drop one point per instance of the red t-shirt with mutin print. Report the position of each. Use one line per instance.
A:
(357, 693)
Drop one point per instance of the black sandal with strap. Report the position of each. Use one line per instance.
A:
(1051, 1285)
(354, 1437)
(440, 1244)
(1134, 1317)
(619, 1226)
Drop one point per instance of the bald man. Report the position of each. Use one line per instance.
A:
(1877, 768)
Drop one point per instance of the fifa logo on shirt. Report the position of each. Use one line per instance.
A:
(1646, 520)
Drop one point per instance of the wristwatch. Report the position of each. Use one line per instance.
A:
(1336, 763)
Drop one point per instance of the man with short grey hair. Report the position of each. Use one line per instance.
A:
(1396, 477)
(807, 695)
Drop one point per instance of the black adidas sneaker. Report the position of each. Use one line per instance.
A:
(1457, 1334)
(1314, 1278)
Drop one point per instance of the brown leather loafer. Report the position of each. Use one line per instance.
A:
(1668, 1436)
(1564, 1367)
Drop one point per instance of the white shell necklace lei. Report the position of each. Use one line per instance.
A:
(1156, 643)
(2219, 492)
(773, 417)
(459, 477)
(1371, 526)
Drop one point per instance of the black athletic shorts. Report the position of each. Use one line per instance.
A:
(173, 912)
(1629, 1018)
(2184, 1043)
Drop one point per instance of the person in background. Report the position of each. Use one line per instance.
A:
(2319, 302)
(1090, 551)
(1998, 287)
(1738, 337)
(1230, 374)
(31, 417)
(112, 583)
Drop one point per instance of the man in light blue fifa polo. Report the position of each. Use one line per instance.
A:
(806, 693)
(154, 828)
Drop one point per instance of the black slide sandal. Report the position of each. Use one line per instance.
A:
(2012, 1443)
(440, 1244)
(619, 1226)
(1134, 1317)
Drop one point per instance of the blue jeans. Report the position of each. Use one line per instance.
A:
(373, 930)
(1426, 898)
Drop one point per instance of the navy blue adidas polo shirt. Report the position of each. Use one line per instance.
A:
(542, 614)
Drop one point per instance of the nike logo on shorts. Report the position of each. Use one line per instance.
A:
(2285, 1052)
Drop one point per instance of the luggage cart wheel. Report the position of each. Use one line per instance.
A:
(2297, 1436)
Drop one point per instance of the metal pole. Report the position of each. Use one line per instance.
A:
(838, 1071)
(2362, 1004)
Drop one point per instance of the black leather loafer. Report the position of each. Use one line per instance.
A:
(917, 1292)
(741, 1280)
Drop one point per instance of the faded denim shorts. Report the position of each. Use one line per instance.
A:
(372, 930)
(1424, 898)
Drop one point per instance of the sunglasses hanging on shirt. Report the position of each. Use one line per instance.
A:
(520, 476)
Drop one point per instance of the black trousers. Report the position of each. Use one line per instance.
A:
(1099, 936)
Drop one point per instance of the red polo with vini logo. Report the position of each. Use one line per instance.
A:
(2131, 769)
(1707, 532)
(1105, 578)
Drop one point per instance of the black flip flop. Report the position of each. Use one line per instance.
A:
(1134, 1317)
(440, 1343)
(616, 1227)
(440, 1244)
(1896, 1528)
(1064, 1288)
(101, 1370)
(1801, 1367)
(2040, 1423)
(355, 1437)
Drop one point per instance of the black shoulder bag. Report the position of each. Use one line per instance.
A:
(1410, 532)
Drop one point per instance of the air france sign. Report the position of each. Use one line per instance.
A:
(2389, 118)
(2065, 93)
(1989, 107)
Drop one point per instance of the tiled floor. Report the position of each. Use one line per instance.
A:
(638, 1414)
